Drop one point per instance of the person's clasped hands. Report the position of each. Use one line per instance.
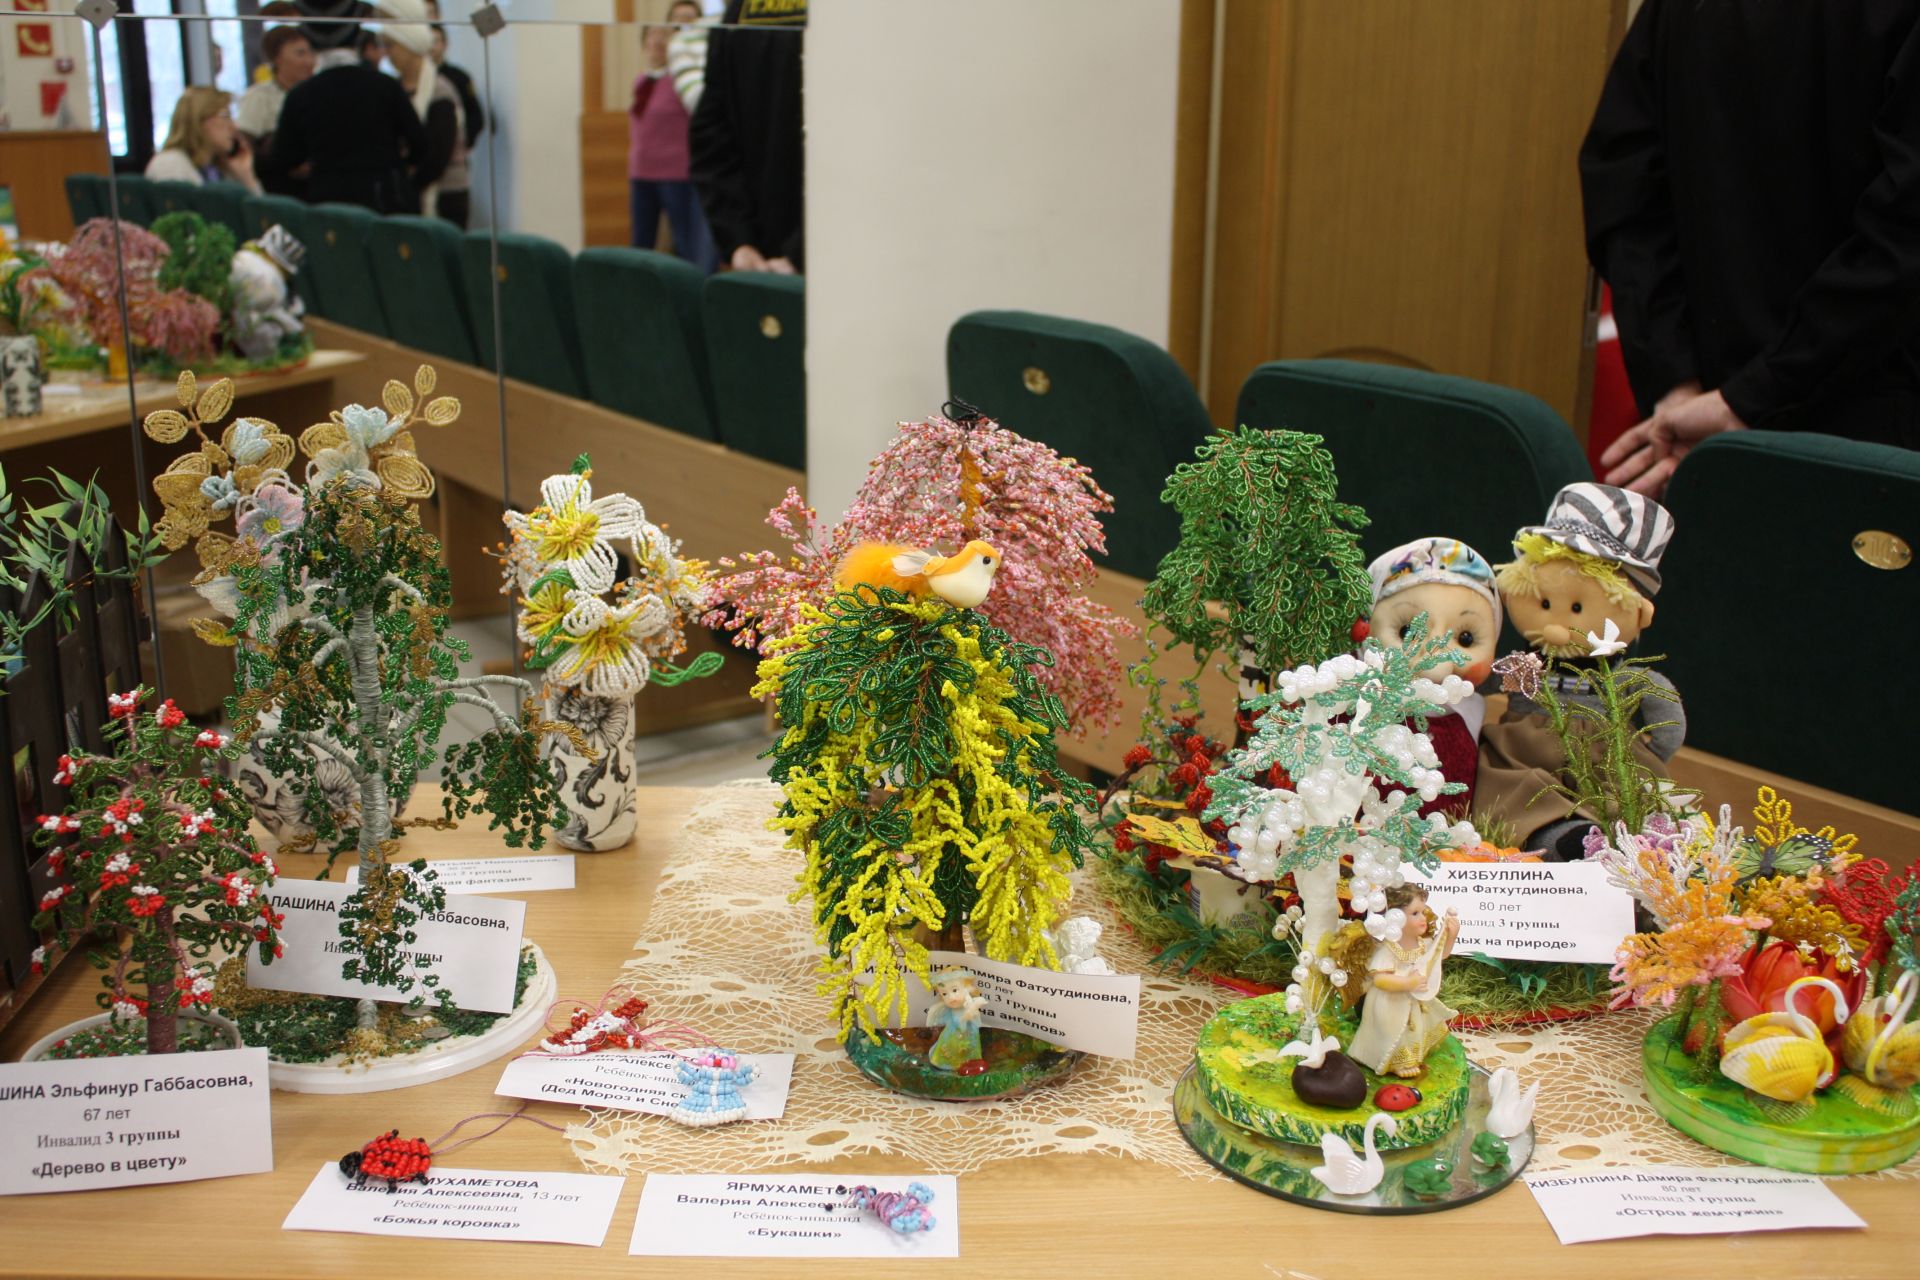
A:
(1644, 457)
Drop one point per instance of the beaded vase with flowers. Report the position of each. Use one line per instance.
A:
(597, 641)
(342, 652)
(154, 853)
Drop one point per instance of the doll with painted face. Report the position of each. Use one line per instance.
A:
(1453, 585)
(1592, 568)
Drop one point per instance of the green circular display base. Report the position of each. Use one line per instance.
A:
(1247, 1082)
(1013, 1064)
(1836, 1134)
(1285, 1169)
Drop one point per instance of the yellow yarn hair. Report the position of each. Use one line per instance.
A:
(1521, 578)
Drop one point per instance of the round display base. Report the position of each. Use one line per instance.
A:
(1284, 1169)
(436, 1060)
(1836, 1135)
(1014, 1063)
(1249, 1083)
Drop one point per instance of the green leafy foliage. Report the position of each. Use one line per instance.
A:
(35, 542)
(1262, 533)
(1604, 776)
(199, 258)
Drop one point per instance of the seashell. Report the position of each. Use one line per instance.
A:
(1774, 1062)
(1897, 1104)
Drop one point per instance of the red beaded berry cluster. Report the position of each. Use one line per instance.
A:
(388, 1158)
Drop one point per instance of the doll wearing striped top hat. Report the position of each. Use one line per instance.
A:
(1453, 585)
(1590, 570)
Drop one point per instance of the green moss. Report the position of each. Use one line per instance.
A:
(315, 1028)
(1250, 1084)
(1015, 1063)
(127, 1037)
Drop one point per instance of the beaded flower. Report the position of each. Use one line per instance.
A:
(583, 629)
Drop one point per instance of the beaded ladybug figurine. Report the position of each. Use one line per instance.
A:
(389, 1158)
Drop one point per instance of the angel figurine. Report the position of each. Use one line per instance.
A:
(1403, 1019)
(956, 1011)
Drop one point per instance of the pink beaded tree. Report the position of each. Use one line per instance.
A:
(176, 322)
(940, 484)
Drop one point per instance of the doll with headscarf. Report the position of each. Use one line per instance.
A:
(1452, 584)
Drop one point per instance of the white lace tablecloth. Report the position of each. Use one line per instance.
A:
(725, 952)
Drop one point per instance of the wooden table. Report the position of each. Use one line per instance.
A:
(102, 406)
(1090, 1215)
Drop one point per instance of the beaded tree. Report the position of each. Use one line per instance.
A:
(157, 855)
(339, 604)
(89, 273)
(922, 786)
(1338, 730)
(943, 483)
(1268, 560)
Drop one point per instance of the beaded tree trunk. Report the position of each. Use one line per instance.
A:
(1268, 567)
(944, 483)
(157, 856)
(922, 786)
(339, 621)
(1358, 777)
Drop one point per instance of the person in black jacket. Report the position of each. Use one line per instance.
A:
(473, 115)
(1752, 190)
(745, 144)
(359, 130)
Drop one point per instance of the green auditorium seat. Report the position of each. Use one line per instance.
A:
(644, 338)
(258, 213)
(1424, 453)
(165, 197)
(1115, 401)
(756, 349)
(537, 323)
(343, 273)
(86, 196)
(222, 203)
(1788, 607)
(416, 266)
(135, 197)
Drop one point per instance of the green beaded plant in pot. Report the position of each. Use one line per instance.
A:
(923, 790)
(337, 604)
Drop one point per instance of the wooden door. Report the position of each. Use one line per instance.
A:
(1389, 180)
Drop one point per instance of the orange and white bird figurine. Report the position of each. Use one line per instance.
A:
(962, 579)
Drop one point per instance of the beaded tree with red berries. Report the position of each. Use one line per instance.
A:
(155, 852)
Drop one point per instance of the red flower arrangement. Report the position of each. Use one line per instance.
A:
(167, 866)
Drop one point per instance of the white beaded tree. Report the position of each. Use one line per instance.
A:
(1339, 731)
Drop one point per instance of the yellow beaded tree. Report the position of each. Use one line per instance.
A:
(923, 787)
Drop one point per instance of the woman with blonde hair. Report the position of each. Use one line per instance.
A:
(203, 143)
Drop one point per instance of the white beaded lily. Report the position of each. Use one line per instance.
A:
(584, 629)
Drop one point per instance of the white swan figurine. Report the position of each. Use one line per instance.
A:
(1346, 1174)
(1312, 1051)
(1512, 1110)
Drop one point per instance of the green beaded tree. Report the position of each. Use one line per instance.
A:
(1269, 559)
(922, 785)
(342, 650)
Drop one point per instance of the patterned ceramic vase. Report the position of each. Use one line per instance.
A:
(275, 803)
(21, 375)
(599, 791)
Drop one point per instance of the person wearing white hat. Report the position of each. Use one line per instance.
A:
(1452, 584)
(1581, 587)
(440, 176)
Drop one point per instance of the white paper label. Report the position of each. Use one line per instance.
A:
(464, 1204)
(496, 875)
(1562, 911)
(473, 944)
(75, 1125)
(718, 1215)
(638, 1082)
(1676, 1201)
(1090, 1012)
